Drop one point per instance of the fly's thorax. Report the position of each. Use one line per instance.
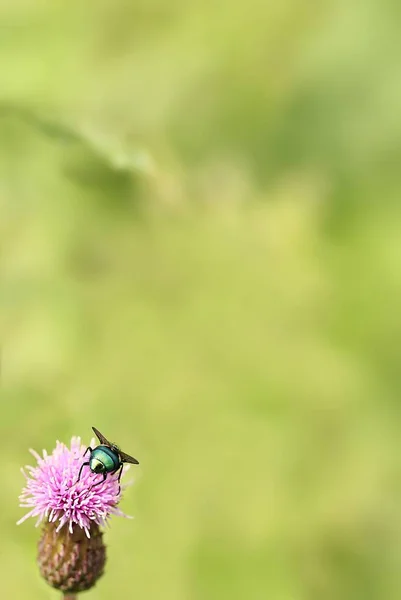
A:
(104, 459)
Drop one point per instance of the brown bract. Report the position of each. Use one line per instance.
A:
(71, 562)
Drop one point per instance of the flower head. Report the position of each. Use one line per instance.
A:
(54, 494)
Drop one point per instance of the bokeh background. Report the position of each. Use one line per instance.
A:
(200, 237)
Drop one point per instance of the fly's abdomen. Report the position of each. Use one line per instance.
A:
(109, 459)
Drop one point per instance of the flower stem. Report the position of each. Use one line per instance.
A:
(68, 596)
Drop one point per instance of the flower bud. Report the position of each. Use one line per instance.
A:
(72, 504)
(71, 562)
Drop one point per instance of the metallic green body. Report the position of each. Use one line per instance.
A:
(104, 460)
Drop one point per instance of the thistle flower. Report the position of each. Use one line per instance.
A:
(71, 550)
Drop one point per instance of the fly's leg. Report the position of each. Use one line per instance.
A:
(99, 482)
(120, 470)
(80, 470)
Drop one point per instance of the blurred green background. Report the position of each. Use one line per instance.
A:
(200, 238)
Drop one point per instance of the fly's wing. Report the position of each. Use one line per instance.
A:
(126, 458)
(101, 437)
